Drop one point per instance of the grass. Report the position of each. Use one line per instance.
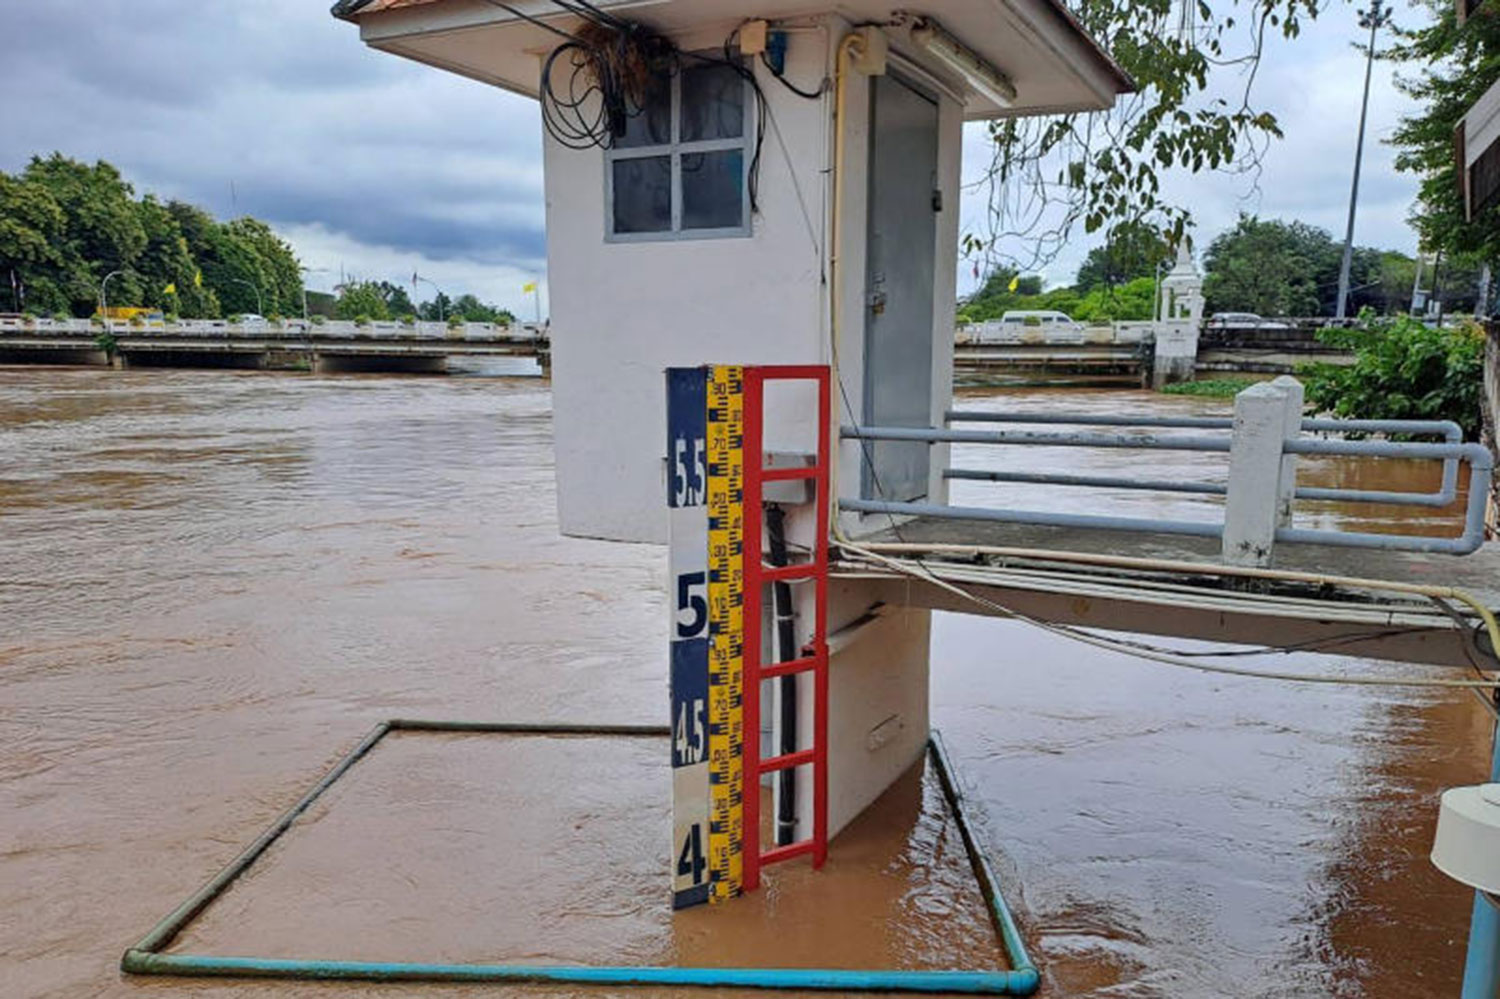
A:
(1211, 388)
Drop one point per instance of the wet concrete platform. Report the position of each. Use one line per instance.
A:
(1197, 600)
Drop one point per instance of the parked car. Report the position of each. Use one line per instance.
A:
(1243, 321)
(1041, 318)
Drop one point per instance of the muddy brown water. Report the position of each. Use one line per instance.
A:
(213, 584)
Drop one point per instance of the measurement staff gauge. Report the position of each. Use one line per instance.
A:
(726, 604)
(705, 483)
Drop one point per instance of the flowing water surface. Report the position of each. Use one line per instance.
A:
(213, 584)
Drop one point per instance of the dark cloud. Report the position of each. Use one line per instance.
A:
(273, 108)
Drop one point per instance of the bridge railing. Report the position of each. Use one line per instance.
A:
(286, 329)
(1266, 437)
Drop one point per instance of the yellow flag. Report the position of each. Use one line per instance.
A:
(198, 279)
(528, 288)
(170, 289)
(1015, 283)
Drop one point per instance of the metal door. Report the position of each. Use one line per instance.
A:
(899, 285)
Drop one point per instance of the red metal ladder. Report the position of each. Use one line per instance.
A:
(813, 657)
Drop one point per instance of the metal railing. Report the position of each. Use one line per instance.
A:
(1257, 461)
(1447, 493)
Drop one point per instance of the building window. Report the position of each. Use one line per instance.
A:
(680, 171)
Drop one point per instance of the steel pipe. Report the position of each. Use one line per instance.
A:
(1035, 518)
(1024, 437)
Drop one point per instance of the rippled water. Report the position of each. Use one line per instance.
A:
(212, 584)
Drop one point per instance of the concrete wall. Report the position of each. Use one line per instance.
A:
(624, 312)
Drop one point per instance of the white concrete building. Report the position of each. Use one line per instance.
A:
(726, 218)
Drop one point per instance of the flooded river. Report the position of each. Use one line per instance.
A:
(213, 584)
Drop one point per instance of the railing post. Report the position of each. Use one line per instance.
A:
(1291, 430)
(1253, 505)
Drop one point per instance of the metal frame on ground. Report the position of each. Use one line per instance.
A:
(147, 957)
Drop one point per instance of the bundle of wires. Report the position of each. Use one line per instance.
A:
(603, 74)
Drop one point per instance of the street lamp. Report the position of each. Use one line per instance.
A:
(104, 299)
(1375, 18)
(260, 305)
(308, 270)
(442, 317)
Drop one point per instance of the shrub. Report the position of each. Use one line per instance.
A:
(29, 317)
(236, 319)
(61, 317)
(362, 320)
(106, 342)
(96, 320)
(137, 322)
(318, 320)
(1402, 370)
(456, 322)
(274, 319)
(408, 320)
(1211, 388)
(170, 317)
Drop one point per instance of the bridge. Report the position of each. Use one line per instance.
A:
(292, 345)
(1125, 352)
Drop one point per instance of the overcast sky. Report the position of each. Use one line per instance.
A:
(378, 167)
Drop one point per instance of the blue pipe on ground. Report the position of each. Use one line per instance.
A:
(806, 979)
(1482, 968)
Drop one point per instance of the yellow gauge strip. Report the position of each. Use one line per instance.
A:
(726, 610)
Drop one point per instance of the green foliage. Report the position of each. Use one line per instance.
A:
(107, 342)
(318, 320)
(1132, 251)
(1210, 388)
(1449, 69)
(1272, 268)
(361, 299)
(456, 322)
(1102, 304)
(65, 225)
(1194, 65)
(362, 320)
(1402, 370)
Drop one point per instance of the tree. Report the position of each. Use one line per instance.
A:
(31, 226)
(1050, 174)
(277, 272)
(1133, 250)
(361, 300)
(397, 302)
(1452, 66)
(1272, 268)
(101, 234)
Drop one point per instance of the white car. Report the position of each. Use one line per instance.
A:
(1242, 321)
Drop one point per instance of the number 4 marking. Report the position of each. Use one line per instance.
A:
(691, 862)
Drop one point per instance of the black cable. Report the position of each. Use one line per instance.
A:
(812, 95)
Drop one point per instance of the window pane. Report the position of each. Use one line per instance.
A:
(713, 103)
(713, 190)
(653, 125)
(643, 194)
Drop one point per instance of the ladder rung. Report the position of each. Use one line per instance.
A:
(790, 474)
(790, 667)
(789, 851)
(788, 761)
(786, 573)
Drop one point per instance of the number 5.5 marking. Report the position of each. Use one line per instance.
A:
(692, 603)
(689, 470)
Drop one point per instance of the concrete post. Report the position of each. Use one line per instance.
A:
(1291, 430)
(1252, 508)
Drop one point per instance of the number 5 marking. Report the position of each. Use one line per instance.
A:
(692, 603)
